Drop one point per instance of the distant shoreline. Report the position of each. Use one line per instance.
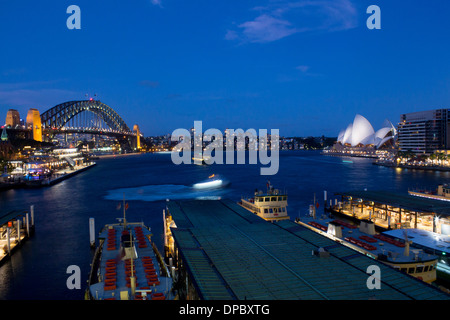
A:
(105, 156)
(412, 166)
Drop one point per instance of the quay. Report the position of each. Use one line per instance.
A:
(15, 228)
(57, 176)
(391, 164)
(218, 250)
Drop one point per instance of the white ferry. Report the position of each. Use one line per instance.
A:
(442, 193)
(393, 251)
(270, 205)
(432, 242)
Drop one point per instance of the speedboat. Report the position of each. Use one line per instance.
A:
(213, 182)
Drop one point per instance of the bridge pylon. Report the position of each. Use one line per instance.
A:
(34, 122)
(138, 136)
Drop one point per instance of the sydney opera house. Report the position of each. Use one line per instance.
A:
(360, 137)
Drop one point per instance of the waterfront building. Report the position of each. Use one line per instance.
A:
(425, 131)
(361, 133)
(360, 139)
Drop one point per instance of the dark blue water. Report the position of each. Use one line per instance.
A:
(62, 212)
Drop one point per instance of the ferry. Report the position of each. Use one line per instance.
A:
(270, 205)
(442, 193)
(128, 266)
(391, 250)
(431, 242)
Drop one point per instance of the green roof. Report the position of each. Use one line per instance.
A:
(402, 200)
(230, 253)
(11, 216)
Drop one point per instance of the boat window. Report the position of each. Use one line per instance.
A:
(425, 269)
(270, 210)
(284, 198)
(273, 199)
(265, 211)
(267, 199)
(411, 270)
(419, 269)
(403, 270)
(280, 198)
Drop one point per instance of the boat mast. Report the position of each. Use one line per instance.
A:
(314, 207)
(124, 210)
(132, 278)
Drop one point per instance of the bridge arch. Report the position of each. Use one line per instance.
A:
(58, 116)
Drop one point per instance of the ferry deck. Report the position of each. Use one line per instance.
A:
(430, 242)
(388, 249)
(115, 270)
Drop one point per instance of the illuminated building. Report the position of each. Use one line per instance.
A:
(425, 131)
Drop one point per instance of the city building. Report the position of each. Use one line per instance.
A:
(425, 131)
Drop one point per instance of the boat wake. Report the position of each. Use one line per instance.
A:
(166, 191)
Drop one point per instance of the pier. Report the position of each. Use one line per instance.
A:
(220, 251)
(393, 210)
(15, 228)
(58, 176)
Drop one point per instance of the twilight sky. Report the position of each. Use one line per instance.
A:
(304, 67)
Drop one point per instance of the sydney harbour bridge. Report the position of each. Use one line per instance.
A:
(82, 117)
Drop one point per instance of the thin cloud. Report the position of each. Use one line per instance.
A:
(266, 28)
(282, 19)
(149, 84)
(156, 2)
(302, 68)
(34, 94)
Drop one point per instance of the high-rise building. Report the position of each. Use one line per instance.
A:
(425, 131)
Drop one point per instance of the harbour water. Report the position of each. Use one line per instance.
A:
(38, 271)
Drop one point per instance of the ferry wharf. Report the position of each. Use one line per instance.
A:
(393, 210)
(15, 228)
(58, 177)
(218, 250)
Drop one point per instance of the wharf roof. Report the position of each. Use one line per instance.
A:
(402, 200)
(11, 216)
(230, 253)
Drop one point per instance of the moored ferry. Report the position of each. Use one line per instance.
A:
(432, 242)
(270, 205)
(442, 193)
(393, 251)
(128, 266)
